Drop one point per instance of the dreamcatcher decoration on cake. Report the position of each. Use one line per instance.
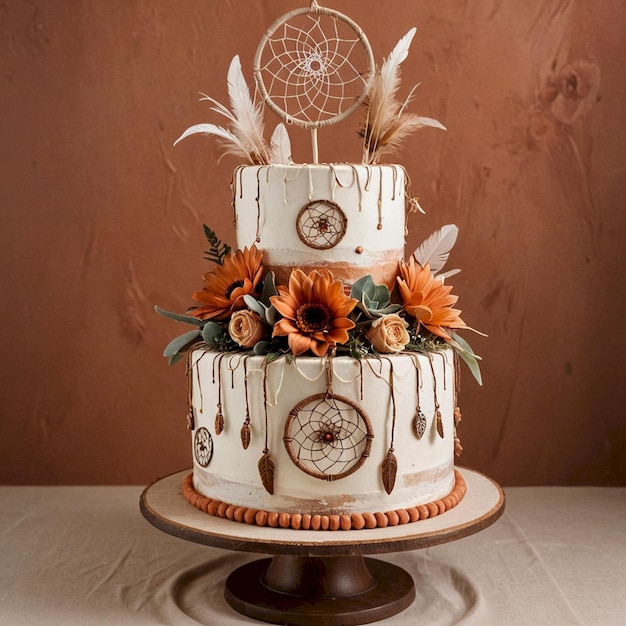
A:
(203, 447)
(314, 67)
(327, 435)
(321, 224)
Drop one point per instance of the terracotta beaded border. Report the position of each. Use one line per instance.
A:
(354, 521)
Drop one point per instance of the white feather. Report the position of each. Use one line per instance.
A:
(245, 136)
(218, 107)
(218, 131)
(429, 121)
(280, 146)
(389, 69)
(449, 273)
(436, 249)
(248, 116)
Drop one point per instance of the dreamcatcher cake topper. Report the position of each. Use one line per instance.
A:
(314, 67)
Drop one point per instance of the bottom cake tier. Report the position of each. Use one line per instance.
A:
(325, 440)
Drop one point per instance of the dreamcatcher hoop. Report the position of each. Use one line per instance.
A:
(321, 224)
(305, 440)
(315, 75)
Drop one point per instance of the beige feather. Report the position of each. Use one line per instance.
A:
(228, 139)
(386, 122)
(244, 138)
(280, 146)
(436, 249)
(248, 116)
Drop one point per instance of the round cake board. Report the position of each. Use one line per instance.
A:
(320, 577)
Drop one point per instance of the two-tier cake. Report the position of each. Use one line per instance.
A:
(322, 367)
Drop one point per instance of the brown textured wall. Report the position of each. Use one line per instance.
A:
(102, 219)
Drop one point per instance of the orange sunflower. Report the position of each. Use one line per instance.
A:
(225, 287)
(428, 300)
(314, 310)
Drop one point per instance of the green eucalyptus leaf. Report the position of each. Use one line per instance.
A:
(382, 296)
(181, 343)
(176, 357)
(364, 286)
(269, 288)
(261, 348)
(473, 365)
(361, 307)
(212, 333)
(254, 305)
(187, 319)
(271, 314)
(465, 351)
(392, 308)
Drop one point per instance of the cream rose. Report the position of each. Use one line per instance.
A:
(246, 328)
(388, 333)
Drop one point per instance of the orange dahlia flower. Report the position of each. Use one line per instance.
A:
(428, 300)
(225, 287)
(314, 310)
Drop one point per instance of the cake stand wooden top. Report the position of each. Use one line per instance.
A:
(164, 506)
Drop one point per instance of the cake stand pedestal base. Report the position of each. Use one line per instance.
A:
(320, 578)
(324, 591)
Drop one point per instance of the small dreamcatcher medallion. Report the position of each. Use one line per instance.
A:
(313, 67)
(321, 224)
(328, 436)
(203, 447)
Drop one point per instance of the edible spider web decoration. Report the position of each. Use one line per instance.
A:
(328, 436)
(314, 67)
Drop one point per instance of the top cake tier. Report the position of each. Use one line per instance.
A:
(347, 218)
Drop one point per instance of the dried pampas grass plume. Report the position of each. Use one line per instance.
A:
(387, 123)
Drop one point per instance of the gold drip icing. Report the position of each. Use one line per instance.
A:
(380, 201)
(258, 205)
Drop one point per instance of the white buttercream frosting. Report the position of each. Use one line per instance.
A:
(365, 202)
(387, 391)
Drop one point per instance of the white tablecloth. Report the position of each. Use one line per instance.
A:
(85, 555)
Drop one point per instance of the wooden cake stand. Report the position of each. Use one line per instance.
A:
(320, 578)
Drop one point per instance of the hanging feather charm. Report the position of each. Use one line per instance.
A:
(389, 469)
(219, 420)
(419, 422)
(439, 422)
(458, 448)
(245, 433)
(266, 471)
(191, 422)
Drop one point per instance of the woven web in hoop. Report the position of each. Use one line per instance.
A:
(314, 67)
(328, 436)
(321, 224)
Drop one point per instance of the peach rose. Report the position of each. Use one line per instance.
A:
(246, 328)
(388, 333)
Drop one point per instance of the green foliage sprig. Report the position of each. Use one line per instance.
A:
(218, 250)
